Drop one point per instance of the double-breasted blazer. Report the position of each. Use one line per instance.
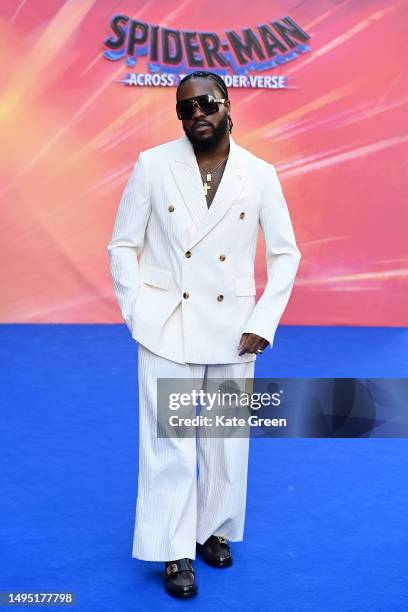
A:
(183, 273)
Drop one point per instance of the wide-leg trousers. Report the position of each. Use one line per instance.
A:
(175, 508)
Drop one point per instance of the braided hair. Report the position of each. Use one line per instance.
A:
(201, 74)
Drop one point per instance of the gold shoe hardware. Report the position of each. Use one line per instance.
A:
(172, 568)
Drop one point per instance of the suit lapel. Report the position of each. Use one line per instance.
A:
(187, 176)
(188, 180)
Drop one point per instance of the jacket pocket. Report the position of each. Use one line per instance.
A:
(245, 285)
(152, 275)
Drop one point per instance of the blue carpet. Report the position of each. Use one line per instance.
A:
(326, 518)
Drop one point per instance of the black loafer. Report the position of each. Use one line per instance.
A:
(216, 551)
(179, 578)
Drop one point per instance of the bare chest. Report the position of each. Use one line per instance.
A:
(211, 181)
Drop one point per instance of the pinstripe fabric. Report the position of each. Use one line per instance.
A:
(174, 509)
(166, 244)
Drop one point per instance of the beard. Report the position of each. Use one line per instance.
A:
(207, 143)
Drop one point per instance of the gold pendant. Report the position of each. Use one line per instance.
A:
(206, 188)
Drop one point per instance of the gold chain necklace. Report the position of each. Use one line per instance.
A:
(209, 174)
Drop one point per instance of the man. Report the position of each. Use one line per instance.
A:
(191, 211)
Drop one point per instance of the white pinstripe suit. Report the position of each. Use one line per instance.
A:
(175, 509)
(187, 307)
(163, 216)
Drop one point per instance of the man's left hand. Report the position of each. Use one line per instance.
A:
(251, 343)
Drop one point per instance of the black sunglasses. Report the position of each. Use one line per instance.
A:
(207, 103)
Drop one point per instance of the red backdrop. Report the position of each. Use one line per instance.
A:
(71, 132)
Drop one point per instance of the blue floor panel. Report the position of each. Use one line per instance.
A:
(326, 518)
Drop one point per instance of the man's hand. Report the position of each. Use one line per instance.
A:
(250, 343)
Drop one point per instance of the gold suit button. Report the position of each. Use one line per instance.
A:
(188, 253)
(171, 208)
(222, 257)
(220, 297)
(186, 295)
(242, 215)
